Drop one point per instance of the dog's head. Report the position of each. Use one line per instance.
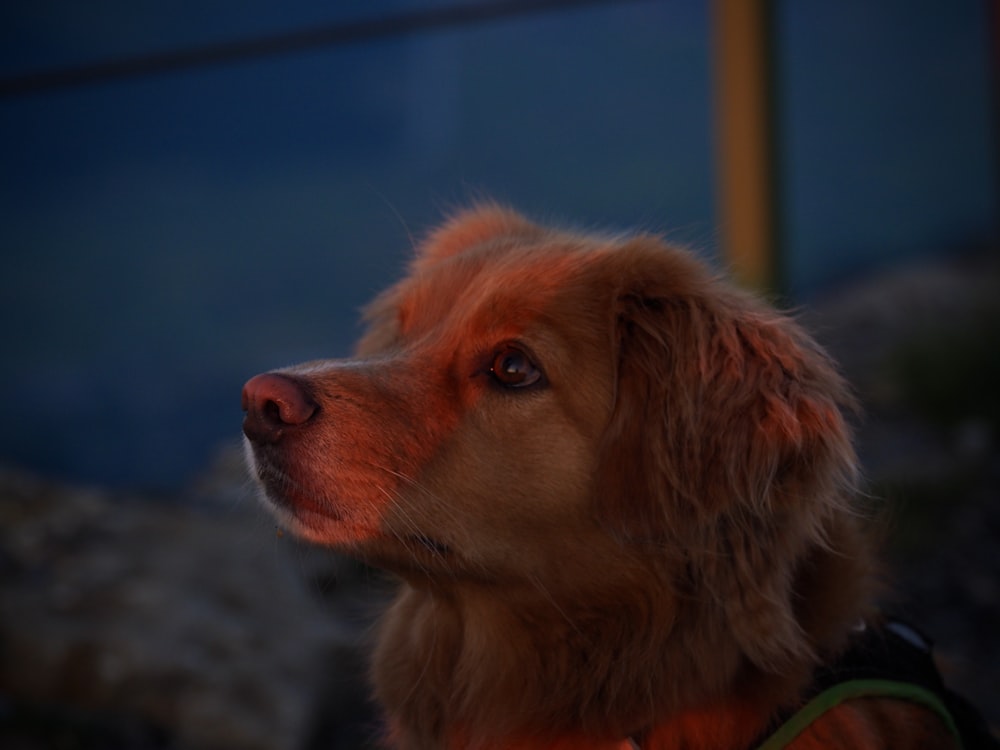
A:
(586, 413)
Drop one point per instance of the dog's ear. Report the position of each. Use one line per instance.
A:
(726, 446)
(473, 227)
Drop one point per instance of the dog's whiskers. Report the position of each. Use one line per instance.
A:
(407, 520)
(547, 595)
(440, 505)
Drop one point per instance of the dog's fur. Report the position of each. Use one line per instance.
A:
(654, 540)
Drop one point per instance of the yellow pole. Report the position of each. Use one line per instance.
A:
(745, 149)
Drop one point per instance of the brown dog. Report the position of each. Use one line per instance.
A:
(618, 491)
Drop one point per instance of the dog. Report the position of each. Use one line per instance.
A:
(620, 495)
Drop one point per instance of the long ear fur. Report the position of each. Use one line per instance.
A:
(728, 439)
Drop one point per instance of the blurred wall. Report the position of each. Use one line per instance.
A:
(167, 236)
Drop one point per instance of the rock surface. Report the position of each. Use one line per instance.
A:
(193, 620)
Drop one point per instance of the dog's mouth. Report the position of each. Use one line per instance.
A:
(307, 512)
(287, 495)
(414, 556)
(429, 544)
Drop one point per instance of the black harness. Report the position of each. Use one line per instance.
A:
(887, 660)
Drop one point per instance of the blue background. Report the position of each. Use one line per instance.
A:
(167, 236)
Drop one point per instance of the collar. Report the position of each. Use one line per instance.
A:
(845, 691)
(883, 660)
(886, 659)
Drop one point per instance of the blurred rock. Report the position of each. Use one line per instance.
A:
(862, 323)
(197, 620)
(867, 324)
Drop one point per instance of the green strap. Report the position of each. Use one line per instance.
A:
(846, 691)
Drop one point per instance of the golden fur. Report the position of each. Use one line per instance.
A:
(650, 538)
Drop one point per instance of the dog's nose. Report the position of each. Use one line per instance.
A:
(274, 403)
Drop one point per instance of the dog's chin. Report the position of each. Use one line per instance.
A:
(414, 555)
(320, 520)
(301, 513)
(299, 519)
(411, 557)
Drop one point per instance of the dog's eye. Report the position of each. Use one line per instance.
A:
(512, 368)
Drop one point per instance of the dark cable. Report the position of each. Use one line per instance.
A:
(349, 32)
